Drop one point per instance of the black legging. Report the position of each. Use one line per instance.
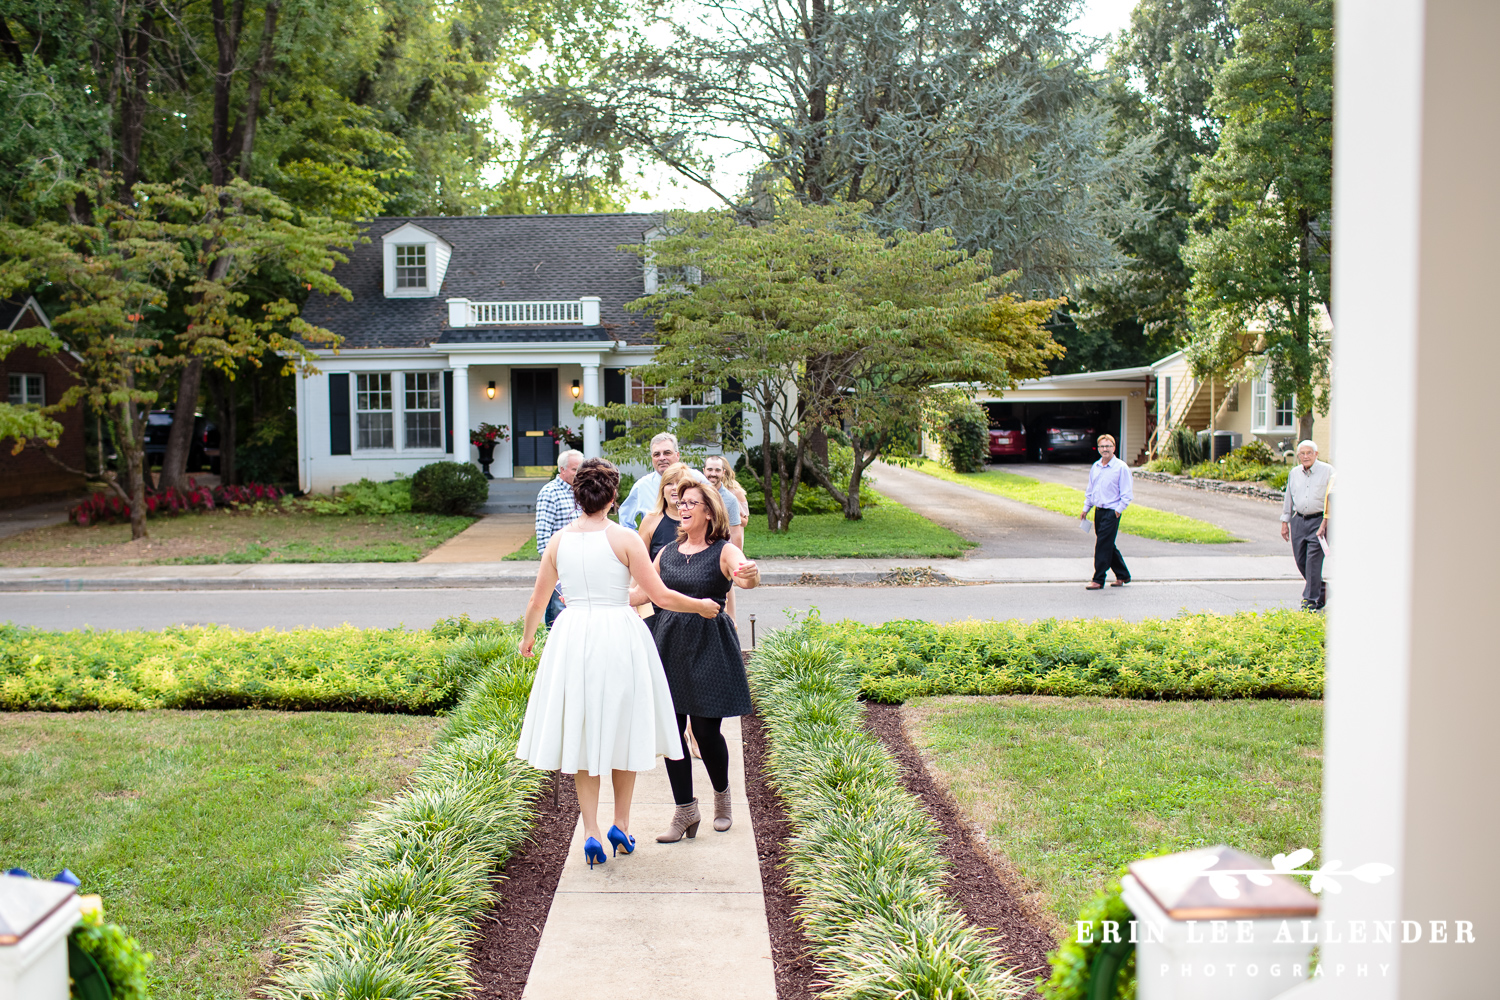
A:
(715, 758)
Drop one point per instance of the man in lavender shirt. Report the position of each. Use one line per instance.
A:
(1109, 493)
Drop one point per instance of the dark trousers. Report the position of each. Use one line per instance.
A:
(1106, 556)
(1309, 556)
(554, 607)
(715, 758)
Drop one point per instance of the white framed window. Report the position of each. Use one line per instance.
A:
(642, 394)
(1269, 414)
(689, 407)
(374, 415)
(423, 413)
(411, 266)
(26, 389)
(1166, 400)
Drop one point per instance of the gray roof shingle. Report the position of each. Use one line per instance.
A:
(495, 258)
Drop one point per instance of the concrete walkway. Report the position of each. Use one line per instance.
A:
(487, 540)
(37, 515)
(669, 922)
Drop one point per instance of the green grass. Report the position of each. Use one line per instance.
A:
(284, 534)
(888, 531)
(201, 830)
(1070, 790)
(1144, 522)
(526, 553)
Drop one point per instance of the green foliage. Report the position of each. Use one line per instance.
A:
(402, 911)
(119, 956)
(1072, 964)
(1278, 481)
(339, 669)
(1170, 466)
(1273, 654)
(1232, 469)
(864, 855)
(363, 497)
(1264, 250)
(965, 435)
(449, 488)
(1182, 445)
(1256, 452)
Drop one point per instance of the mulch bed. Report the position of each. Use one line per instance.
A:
(985, 897)
(501, 958)
(796, 976)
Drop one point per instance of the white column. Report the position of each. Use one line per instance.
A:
(462, 450)
(1410, 740)
(304, 429)
(589, 310)
(593, 429)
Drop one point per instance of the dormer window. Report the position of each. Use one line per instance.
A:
(411, 266)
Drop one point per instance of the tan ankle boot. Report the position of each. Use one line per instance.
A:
(722, 817)
(684, 821)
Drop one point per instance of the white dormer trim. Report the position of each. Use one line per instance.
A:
(439, 251)
(650, 279)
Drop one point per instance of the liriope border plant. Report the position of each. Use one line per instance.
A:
(397, 920)
(864, 855)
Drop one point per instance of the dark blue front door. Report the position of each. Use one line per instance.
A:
(533, 411)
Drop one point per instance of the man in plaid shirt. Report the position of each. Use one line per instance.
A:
(555, 510)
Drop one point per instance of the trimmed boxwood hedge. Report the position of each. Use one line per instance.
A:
(1273, 654)
(338, 669)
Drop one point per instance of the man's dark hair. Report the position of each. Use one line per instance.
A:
(595, 485)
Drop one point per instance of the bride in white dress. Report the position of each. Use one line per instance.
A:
(600, 699)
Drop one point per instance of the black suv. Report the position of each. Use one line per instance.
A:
(203, 450)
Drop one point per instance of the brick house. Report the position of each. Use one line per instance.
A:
(33, 376)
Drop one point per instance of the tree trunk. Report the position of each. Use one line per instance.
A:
(180, 439)
(1304, 427)
(228, 466)
(134, 453)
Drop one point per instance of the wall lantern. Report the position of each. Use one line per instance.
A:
(577, 389)
(489, 390)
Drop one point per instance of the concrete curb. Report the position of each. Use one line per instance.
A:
(774, 572)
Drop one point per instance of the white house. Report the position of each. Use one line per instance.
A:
(456, 321)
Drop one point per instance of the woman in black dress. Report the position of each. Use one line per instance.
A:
(705, 669)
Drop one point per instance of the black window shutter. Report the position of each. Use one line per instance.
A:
(733, 392)
(338, 413)
(448, 408)
(614, 392)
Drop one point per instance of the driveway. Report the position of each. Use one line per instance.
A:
(1009, 529)
(37, 515)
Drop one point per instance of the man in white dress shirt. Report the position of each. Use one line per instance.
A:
(1303, 523)
(664, 454)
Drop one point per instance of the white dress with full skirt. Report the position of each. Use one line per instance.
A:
(600, 699)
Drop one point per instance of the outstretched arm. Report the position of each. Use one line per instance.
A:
(536, 607)
(632, 552)
(735, 566)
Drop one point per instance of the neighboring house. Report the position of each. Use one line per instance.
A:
(1115, 402)
(31, 376)
(507, 319)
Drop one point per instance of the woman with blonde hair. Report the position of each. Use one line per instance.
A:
(704, 666)
(659, 526)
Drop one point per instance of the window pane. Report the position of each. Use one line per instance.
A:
(23, 388)
(1258, 408)
(16, 390)
(372, 405)
(424, 410)
(411, 266)
(1285, 415)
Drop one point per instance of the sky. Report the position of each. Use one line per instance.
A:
(661, 189)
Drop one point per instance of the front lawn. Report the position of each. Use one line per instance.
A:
(1144, 522)
(202, 830)
(889, 531)
(277, 536)
(1068, 790)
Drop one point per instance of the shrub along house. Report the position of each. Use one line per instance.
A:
(457, 321)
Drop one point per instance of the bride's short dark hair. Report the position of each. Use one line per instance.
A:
(596, 485)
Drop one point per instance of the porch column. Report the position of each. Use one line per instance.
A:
(462, 450)
(1410, 738)
(593, 435)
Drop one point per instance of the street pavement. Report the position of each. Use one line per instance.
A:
(419, 608)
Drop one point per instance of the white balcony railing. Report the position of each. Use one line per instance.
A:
(571, 312)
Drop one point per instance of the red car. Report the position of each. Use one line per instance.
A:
(1007, 439)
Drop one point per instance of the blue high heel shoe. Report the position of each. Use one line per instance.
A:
(621, 841)
(593, 852)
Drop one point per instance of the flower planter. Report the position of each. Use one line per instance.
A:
(486, 456)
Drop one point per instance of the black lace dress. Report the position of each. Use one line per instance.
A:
(705, 669)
